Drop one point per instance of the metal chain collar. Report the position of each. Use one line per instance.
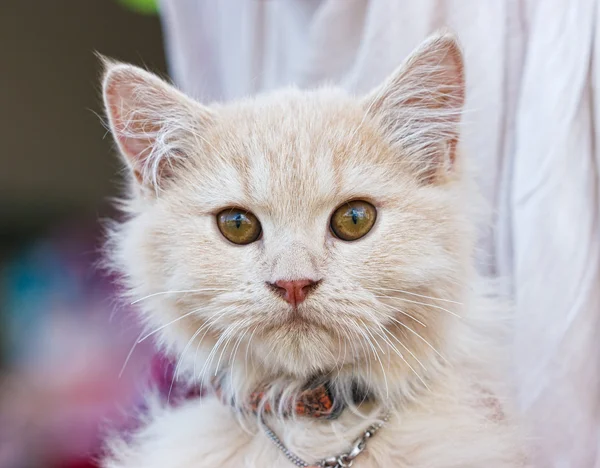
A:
(343, 460)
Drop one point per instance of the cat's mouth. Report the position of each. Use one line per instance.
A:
(300, 319)
(297, 319)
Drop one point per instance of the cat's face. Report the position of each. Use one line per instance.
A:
(309, 230)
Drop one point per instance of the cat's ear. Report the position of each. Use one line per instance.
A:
(419, 106)
(152, 122)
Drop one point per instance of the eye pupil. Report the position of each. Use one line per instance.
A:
(354, 216)
(238, 220)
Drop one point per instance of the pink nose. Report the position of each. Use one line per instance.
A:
(295, 291)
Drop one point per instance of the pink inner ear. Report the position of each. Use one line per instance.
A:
(419, 107)
(132, 132)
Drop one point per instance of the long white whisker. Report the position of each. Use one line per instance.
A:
(374, 339)
(209, 358)
(415, 294)
(386, 331)
(232, 334)
(209, 323)
(406, 314)
(364, 350)
(425, 304)
(406, 348)
(180, 360)
(214, 350)
(247, 349)
(341, 362)
(236, 347)
(135, 343)
(185, 291)
(387, 390)
(162, 327)
(398, 322)
(394, 348)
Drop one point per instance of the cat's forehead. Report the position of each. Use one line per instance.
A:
(294, 151)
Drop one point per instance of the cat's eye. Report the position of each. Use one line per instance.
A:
(239, 226)
(353, 220)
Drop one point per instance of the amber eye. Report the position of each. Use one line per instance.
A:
(239, 226)
(353, 220)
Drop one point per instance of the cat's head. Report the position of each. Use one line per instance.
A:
(298, 232)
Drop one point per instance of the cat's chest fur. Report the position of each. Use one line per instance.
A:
(447, 429)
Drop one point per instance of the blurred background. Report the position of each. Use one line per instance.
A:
(63, 335)
(530, 130)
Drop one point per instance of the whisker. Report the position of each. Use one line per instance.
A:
(247, 348)
(425, 304)
(135, 343)
(361, 341)
(185, 291)
(374, 339)
(238, 326)
(387, 390)
(162, 327)
(385, 330)
(226, 344)
(236, 347)
(179, 361)
(211, 355)
(398, 322)
(403, 313)
(415, 294)
(209, 323)
(396, 350)
(341, 362)
(401, 356)
(214, 350)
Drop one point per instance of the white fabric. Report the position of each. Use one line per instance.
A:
(531, 126)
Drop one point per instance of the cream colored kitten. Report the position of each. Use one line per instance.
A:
(305, 235)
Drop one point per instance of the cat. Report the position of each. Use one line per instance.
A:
(303, 243)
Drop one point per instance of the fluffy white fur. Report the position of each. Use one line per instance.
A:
(401, 310)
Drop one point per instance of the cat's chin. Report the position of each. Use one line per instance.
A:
(298, 347)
